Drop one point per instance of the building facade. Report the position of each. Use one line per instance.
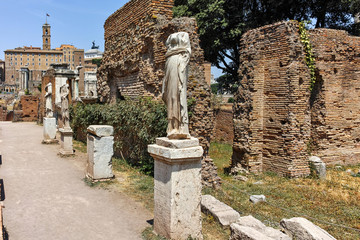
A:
(37, 60)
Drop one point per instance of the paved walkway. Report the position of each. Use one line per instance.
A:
(46, 197)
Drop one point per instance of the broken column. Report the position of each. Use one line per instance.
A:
(177, 177)
(66, 132)
(100, 143)
(49, 122)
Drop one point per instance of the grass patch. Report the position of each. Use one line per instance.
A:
(334, 199)
(79, 146)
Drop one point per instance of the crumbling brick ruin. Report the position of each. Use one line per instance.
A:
(278, 120)
(28, 109)
(134, 61)
(335, 118)
(223, 124)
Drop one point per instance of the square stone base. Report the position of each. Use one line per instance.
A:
(100, 152)
(49, 125)
(177, 188)
(66, 143)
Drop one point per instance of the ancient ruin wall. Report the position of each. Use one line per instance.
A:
(335, 108)
(271, 109)
(223, 124)
(30, 108)
(134, 61)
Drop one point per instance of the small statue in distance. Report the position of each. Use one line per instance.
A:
(175, 85)
(48, 103)
(64, 92)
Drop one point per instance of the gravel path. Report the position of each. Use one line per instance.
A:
(46, 197)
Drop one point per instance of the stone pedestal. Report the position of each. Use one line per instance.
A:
(177, 190)
(66, 142)
(49, 125)
(100, 151)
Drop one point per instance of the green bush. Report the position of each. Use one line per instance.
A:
(231, 100)
(136, 124)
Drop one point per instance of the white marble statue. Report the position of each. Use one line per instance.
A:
(48, 102)
(64, 92)
(174, 85)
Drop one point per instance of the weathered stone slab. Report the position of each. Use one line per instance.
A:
(301, 228)
(177, 143)
(66, 142)
(257, 198)
(49, 126)
(319, 166)
(101, 130)
(248, 233)
(250, 221)
(177, 191)
(100, 152)
(175, 154)
(222, 212)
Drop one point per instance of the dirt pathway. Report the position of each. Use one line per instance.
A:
(46, 197)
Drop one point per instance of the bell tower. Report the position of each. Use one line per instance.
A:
(46, 37)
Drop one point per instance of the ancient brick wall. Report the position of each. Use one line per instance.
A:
(223, 124)
(335, 102)
(271, 109)
(30, 108)
(134, 60)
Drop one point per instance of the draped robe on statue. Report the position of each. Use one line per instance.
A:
(175, 85)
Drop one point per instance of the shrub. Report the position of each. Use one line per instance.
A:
(136, 124)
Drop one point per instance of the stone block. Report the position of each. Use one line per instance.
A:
(242, 232)
(222, 212)
(301, 228)
(177, 191)
(177, 143)
(257, 198)
(66, 142)
(49, 125)
(318, 166)
(101, 130)
(99, 151)
(250, 221)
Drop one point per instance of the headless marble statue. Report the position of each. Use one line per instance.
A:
(48, 104)
(175, 85)
(64, 92)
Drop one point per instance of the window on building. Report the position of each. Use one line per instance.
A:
(39, 64)
(11, 58)
(20, 54)
(28, 54)
(39, 59)
(28, 59)
(39, 54)
(15, 54)
(46, 64)
(15, 59)
(33, 64)
(45, 55)
(20, 59)
(33, 54)
(46, 59)
(15, 63)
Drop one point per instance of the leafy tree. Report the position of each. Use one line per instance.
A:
(221, 24)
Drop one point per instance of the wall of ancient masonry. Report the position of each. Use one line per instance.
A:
(30, 108)
(335, 102)
(272, 103)
(223, 124)
(278, 120)
(134, 60)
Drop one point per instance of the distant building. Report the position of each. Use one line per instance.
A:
(93, 53)
(2, 71)
(30, 63)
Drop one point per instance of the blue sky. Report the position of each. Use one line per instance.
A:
(76, 22)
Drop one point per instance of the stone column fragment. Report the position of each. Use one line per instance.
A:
(66, 142)
(49, 130)
(177, 188)
(100, 151)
